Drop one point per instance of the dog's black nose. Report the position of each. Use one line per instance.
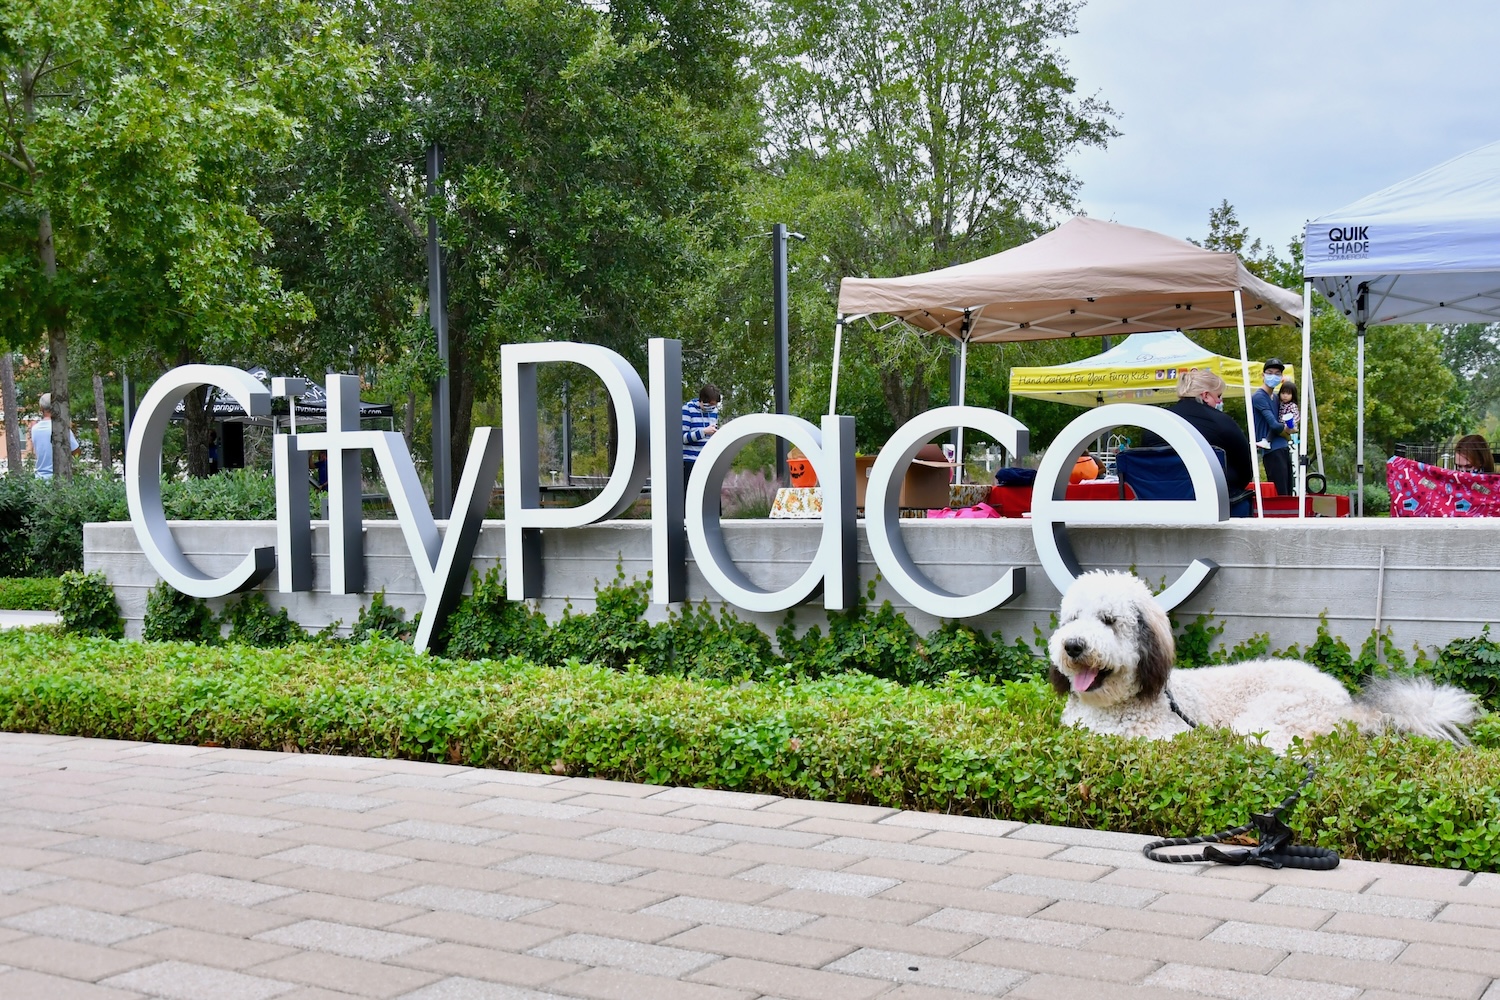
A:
(1075, 647)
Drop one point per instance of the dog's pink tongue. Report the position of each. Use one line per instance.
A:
(1083, 679)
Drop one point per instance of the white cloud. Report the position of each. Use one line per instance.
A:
(1288, 109)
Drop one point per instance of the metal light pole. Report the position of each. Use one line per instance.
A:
(779, 236)
(437, 315)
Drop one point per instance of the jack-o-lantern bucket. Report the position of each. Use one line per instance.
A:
(801, 469)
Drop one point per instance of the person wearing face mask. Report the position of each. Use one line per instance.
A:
(1270, 431)
(1200, 398)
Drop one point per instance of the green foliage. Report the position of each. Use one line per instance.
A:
(646, 114)
(87, 605)
(41, 521)
(1197, 641)
(381, 620)
(253, 622)
(59, 510)
(1472, 664)
(30, 593)
(15, 543)
(172, 616)
(486, 625)
(134, 212)
(1377, 496)
(698, 643)
(231, 495)
(960, 746)
(883, 644)
(1198, 644)
(613, 634)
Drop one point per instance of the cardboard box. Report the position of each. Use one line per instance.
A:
(925, 485)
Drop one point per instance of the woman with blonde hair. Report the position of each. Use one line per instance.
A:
(1472, 454)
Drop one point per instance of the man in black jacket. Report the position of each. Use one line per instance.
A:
(1200, 393)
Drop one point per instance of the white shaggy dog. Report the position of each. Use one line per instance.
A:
(1112, 657)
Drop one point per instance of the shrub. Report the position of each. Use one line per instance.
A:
(231, 495)
(488, 625)
(253, 622)
(959, 746)
(86, 603)
(696, 642)
(15, 542)
(1472, 664)
(381, 620)
(1377, 497)
(172, 616)
(748, 494)
(613, 635)
(54, 527)
(35, 593)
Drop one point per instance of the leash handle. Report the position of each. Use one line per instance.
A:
(1275, 849)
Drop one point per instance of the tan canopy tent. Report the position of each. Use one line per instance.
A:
(1085, 278)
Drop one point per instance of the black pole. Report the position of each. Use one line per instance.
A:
(437, 315)
(567, 434)
(127, 404)
(779, 311)
(955, 381)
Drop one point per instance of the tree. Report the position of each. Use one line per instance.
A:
(942, 128)
(591, 161)
(1471, 351)
(132, 137)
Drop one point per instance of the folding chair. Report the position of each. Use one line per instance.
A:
(1157, 473)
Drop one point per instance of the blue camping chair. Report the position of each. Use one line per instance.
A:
(1158, 473)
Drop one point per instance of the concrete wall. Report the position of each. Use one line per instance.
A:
(1428, 581)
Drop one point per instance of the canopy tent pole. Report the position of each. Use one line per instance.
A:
(1306, 398)
(963, 377)
(838, 344)
(1359, 431)
(1239, 319)
(1312, 401)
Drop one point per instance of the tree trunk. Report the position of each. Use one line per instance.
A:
(198, 425)
(460, 397)
(409, 426)
(905, 393)
(101, 423)
(12, 423)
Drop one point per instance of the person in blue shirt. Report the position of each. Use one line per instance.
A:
(700, 419)
(1271, 435)
(41, 438)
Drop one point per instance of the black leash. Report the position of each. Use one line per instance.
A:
(1275, 848)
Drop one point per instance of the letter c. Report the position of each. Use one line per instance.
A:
(883, 520)
(1050, 508)
(143, 479)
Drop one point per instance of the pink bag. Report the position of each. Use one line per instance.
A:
(978, 510)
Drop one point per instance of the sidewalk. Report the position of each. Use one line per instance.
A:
(139, 870)
(23, 619)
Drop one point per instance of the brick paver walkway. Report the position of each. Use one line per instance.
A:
(139, 870)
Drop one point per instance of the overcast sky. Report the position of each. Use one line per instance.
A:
(1290, 110)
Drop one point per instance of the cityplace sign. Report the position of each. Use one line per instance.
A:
(649, 446)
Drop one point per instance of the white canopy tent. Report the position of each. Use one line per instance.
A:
(1086, 278)
(1424, 250)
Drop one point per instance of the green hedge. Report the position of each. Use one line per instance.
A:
(964, 747)
(41, 520)
(29, 593)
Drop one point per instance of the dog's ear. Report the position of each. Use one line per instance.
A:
(1059, 680)
(1157, 649)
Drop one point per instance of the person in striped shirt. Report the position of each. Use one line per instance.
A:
(700, 419)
